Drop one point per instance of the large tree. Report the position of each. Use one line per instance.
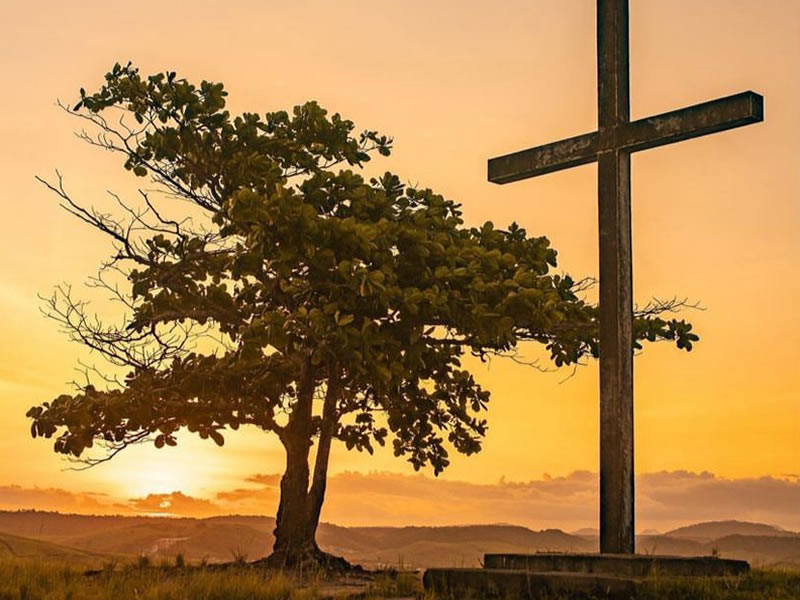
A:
(339, 308)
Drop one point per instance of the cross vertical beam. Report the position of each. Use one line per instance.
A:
(613, 92)
(616, 284)
(611, 146)
(616, 355)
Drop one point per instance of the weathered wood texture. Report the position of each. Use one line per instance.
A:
(616, 284)
(636, 565)
(694, 121)
(488, 584)
(611, 146)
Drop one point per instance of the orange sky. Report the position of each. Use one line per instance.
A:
(716, 219)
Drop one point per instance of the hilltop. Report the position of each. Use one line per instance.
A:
(711, 530)
(220, 539)
(21, 547)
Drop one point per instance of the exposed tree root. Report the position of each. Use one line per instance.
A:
(308, 560)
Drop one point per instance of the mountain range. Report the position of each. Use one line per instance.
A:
(218, 539)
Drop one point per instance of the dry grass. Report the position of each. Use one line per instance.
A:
(35, 579)
(759, 584)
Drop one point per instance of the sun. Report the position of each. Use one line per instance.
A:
(162, 479)
(195, 467)
(155, 473)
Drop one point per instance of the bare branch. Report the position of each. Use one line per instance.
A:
(112, 449)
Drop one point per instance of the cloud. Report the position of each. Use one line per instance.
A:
(664, 500)
(272, 480)
(14, 497)
(387, 498)
(249, 500)
(175, 504)
(253, 500)
(704, 496)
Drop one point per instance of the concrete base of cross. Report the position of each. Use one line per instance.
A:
(529, 576)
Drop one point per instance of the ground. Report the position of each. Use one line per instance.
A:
(35, 579)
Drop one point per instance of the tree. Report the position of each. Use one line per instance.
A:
(341, 308)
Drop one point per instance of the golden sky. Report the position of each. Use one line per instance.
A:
(716, 219)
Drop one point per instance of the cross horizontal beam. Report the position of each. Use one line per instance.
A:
(667, 128)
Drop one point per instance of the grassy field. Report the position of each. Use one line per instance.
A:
(36, 579)
(759, 584)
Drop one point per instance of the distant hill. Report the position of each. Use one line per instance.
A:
(220, 539)
(663, 544)
(712, 530)
(52, 525)
(773, 550)
(594, 532)
(650, 532)
(442, 546)
(20, 547)
(216, 539)
(590, 532)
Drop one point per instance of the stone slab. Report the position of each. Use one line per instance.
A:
(460, 584)
(627, 565)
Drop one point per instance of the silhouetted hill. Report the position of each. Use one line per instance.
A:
(759, 549)
(216, 539)
(220, 539)
(712, 530)
(44, 524)
(21, 547)
(441, 546)
(662, 544)
(588, 532)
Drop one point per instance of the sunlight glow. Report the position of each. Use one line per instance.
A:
(158, 477)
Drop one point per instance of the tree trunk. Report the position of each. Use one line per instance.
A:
(294, 532)
(299, 508)
(328, 428)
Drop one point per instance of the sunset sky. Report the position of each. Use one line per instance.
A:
(716, 220)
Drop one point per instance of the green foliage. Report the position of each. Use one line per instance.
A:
(315, 278)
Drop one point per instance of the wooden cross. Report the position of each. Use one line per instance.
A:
(611, 146)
